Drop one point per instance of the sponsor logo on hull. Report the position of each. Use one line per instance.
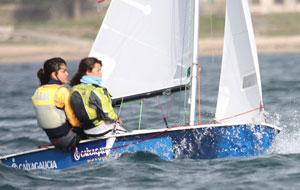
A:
(97, 152)
(42, 165)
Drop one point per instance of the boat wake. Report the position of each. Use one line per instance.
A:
(288, 140)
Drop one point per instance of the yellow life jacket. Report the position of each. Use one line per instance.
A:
(48, 115)
(53, 111)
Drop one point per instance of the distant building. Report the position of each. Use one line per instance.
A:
(274, 6)
(21, 10)
(256, 6)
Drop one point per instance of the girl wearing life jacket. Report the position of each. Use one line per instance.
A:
(52, 105)
(91, 102)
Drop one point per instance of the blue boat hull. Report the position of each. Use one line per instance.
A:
(199, 142)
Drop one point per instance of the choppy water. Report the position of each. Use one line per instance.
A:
(277, 169)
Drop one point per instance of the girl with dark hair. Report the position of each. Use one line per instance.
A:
(52, 105)
(91, 102)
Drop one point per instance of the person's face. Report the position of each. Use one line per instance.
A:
(62, 74)
(96, 71)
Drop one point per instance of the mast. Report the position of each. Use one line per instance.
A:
(194, 65)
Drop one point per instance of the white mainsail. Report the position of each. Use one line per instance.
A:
(145, 45)
(240, 95)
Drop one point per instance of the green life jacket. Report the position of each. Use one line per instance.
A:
(92, 105)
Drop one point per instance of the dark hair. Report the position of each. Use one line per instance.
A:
(50, 66)
(85, 65)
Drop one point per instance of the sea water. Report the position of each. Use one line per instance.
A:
(279, 168)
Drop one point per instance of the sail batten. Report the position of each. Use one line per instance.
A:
(165, 91)
(145, 45)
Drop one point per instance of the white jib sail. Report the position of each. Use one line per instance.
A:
(240, 95)
(145, 45)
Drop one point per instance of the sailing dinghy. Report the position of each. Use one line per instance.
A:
(149, 47)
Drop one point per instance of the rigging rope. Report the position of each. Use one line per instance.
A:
(199, 95)
(243, 113)
(165, 114)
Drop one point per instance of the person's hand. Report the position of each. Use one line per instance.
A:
(120, 121)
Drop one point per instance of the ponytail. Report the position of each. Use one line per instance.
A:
(76, 79)
(43, 78)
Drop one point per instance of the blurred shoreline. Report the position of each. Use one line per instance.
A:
(30, 53)
(76, 49)
(264, 44)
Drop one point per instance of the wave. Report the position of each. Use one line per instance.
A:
(12, 178)
(20, 144)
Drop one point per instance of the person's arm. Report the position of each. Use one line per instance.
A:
(62, 100)
(100, 99)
